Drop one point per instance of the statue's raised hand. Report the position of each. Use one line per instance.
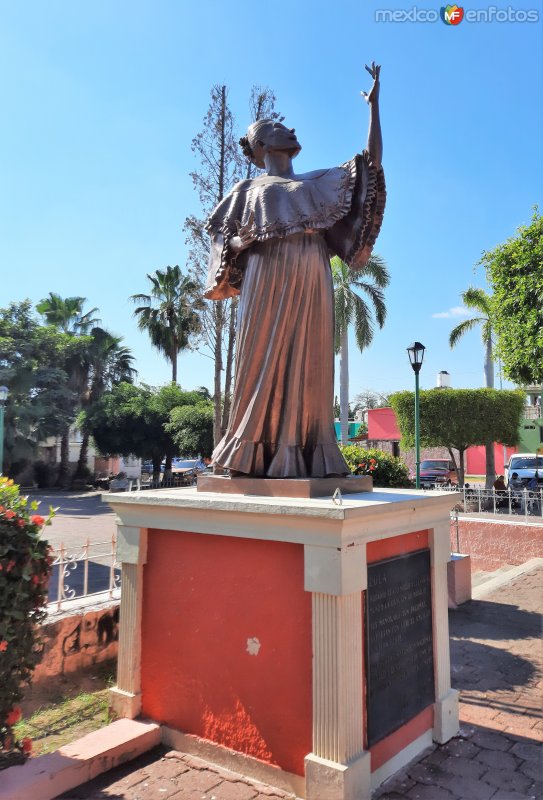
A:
(373, 94)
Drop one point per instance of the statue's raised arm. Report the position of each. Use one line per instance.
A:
(375, 140)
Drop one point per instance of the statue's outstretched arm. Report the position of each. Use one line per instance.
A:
(375, 140)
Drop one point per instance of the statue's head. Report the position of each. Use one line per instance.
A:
(267, 134)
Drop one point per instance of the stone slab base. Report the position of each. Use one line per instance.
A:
(285, 487)
(49, 776)
(244, 765)
(327, 779)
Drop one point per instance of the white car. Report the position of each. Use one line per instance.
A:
(525, 465)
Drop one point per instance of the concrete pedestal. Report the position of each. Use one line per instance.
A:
(243, 628)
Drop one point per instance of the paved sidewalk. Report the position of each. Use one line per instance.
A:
(497, 666)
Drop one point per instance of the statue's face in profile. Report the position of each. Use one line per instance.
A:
(272, 135)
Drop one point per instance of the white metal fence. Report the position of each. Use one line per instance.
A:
(527, 503)
(86, 571)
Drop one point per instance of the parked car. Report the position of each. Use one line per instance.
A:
(525, 465)
(437, 471)
(186, 470)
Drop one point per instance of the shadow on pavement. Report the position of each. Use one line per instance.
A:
(71, 505)
(482, 619)
(481, 667)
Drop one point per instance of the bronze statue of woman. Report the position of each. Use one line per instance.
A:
(272, 238)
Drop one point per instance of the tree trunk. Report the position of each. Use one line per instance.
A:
(344, 386)
(157, 461)
(490, 465)
(229, 365)
(64, 468)
(455, 462)
(489, 365)
(82, 462)
(174, 362)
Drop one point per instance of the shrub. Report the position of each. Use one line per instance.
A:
(24, 573)
(386, 470)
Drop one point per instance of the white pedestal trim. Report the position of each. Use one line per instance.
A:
(446, 722)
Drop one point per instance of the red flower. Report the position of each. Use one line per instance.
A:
(2, 509)
(3, 646)
(36, 580)
(373, 461)
(14, 716)
(27, 745)
(10, 566)
(10, 514)
(21, 523)
(37, 520)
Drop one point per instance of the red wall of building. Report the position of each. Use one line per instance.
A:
(382, 424)
(476, 459)
(204, 598)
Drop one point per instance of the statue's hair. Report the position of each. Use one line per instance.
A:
(246, 147)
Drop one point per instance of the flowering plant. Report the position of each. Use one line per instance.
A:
(25, 565)
(385, 469)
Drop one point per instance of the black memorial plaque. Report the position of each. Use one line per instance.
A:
(399, 645)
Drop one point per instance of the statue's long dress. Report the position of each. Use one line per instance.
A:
(281, 421)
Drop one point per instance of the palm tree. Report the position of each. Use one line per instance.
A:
(108, 363)
(169, 313)
(352, 309)
(481, 301)
(66, 313)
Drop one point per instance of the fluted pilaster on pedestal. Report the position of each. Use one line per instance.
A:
(446, 705)
(125, 697)
(337, 677)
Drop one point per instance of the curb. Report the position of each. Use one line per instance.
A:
(48, 776)
(489, 586)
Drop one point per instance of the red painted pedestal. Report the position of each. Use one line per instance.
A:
(242, 630)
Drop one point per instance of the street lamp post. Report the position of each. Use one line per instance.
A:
(3, 397)
(416, 355)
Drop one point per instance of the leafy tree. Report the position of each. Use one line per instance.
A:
(515, 272)
(169, 313)
(41, 400)
(220, 166)
(352, 309)
(133, 420)
(191, 428)
(481, 301)
(459, 418)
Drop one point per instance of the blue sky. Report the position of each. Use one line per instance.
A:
(101, 100)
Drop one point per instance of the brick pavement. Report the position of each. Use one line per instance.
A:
(497, 666)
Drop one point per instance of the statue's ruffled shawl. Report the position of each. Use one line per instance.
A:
(347, 203)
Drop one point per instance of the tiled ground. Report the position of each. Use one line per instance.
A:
(497, 665)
